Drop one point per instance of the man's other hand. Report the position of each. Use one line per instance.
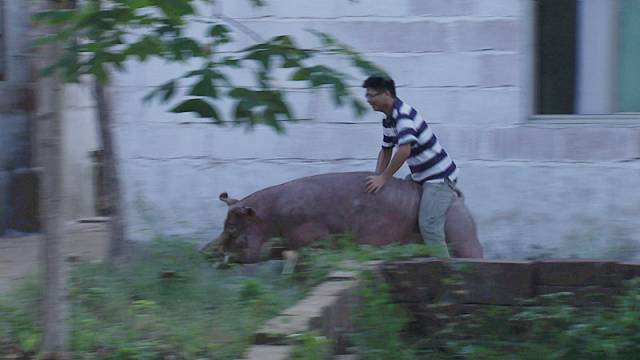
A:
(375, 183)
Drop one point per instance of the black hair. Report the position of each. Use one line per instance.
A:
(380, 84)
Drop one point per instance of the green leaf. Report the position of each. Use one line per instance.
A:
(136, 4)
(218, 30)
(193, 73)
(175, 10)
(261, 56)
(200, 107)
(204, 87)
(61, 36)
(258, 3)
(358, 107)
(326, 39)
(231, 62)
(169, 90)
(291, 63)
(146, 47)
(184, 48)
(238, 93)
(367, 67)
(303, 74)
(242, 112)
(54, 17)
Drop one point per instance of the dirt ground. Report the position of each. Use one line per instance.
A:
(86, 240)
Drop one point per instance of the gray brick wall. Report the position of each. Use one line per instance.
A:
(459, 62)
(15, 127)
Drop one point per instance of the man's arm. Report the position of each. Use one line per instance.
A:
(384, 157)
(376, 182)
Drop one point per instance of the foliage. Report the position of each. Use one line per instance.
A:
(379, 323)
(170, 302)
(167, 301)
(311, 346)
(547, 327)
(20, 323)
(100, 39)
(342, 253)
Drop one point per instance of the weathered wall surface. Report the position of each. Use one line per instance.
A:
(80, 131)
(18, 158)
(15, 104)
(534, 188)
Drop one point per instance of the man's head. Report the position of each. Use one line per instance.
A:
(381, 93)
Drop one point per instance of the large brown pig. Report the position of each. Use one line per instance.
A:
(312, 208)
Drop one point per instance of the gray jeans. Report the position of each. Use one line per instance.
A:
(436, 199)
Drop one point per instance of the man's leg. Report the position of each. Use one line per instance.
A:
(436, 199)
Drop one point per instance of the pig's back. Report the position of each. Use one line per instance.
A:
(340, 201)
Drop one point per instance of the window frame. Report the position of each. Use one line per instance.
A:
(529, 74)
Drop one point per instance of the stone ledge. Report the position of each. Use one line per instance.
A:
(434, 289)
(577, 273)
(325, 310)
(269, 352)
(587, 296)
(628, 270)
(460, 281)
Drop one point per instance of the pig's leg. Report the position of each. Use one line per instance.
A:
(305, 234)
(460, 231)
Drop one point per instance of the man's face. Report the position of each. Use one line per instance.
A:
(377, 98)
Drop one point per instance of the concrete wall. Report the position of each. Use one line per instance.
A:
(563, 188)
(17, 138)
(15, 104)
(80, 131)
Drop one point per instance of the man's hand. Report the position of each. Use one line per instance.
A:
(375, 183)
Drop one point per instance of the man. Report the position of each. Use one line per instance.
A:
(429, 163)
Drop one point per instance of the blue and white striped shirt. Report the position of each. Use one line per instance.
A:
(428, 161)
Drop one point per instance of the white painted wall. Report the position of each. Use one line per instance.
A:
(17, 137)
(81, 136)
(15, 128)
(462, 63)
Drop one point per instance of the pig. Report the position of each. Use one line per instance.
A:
(313, 208)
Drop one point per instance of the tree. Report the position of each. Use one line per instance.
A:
(55, 307)
(100, 40)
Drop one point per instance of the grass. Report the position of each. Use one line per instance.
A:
(168, 301)
(341, 253)
(546, 327)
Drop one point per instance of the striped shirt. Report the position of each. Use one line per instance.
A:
(428, 161)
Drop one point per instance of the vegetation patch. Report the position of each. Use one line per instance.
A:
(168, 302)
(546, 327)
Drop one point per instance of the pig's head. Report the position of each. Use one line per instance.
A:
(241, 238)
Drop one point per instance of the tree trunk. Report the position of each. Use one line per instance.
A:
(55, 311)
(117, 241)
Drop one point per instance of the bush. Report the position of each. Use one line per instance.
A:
(379, 323)
(168, 301)
(543, 328)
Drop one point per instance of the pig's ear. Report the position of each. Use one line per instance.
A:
(243, 211)
(224, 197)
(247, 210)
